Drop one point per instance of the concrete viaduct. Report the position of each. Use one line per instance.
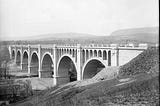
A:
(67, 63)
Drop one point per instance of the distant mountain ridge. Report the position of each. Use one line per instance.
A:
(148, 34)
(135, 35)
(149, 30)
(61, 36)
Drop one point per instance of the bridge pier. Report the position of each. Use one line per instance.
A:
(29, 59)
(79, 62)
(15, 59)
(55, 76)
(62, 79)
(21, 57)
(24, 67)
(34, 69)
(39, 61)
(46, 74)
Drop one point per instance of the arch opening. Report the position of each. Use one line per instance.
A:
(62, 51)
(99, 53)
(95, 53)
(13, 54)
(47, 67)
(70, 51)
(109, 58)
(91, 53)
(87, 54)
(92, 68)
(83, 56)
(25, 61)
(34, 64)
(66, 71)
(18, 59)
(73, 53)
(104, 55)
(65, 51)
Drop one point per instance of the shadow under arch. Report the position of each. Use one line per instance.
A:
(47, 66)
(13, 54)
(34, 64)
(67, 71)
(18, 58)
(92, 67)
(25, 61)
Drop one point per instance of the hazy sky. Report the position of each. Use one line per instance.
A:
(22, 18)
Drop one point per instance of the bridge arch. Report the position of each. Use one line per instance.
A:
(67, 69)
(83, 56)
(92, 66)
(109, 58)
(25, 61)
(24, 51)
(47, 65)
(95, 53)
(70, 51)
(99, 53)
(91, 53)
(34, 64)
(13, 54)
(87, 54)
(104, 55)
(18, 58)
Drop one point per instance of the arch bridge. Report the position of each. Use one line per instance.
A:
(67, 63)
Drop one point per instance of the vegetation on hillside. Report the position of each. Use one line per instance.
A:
(144, 63)
(11, 90)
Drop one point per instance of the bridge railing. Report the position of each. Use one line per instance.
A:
(85, 46)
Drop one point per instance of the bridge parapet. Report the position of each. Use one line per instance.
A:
(83, 46)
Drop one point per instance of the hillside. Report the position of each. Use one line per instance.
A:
(146, 62)
(134, 35)
(58, 36)
(148, 34)
(141, 88)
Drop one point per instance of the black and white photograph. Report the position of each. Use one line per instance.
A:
(79, 52)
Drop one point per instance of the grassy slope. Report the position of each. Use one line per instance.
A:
(133, 88)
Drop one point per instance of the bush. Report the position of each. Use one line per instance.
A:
(14, 91)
